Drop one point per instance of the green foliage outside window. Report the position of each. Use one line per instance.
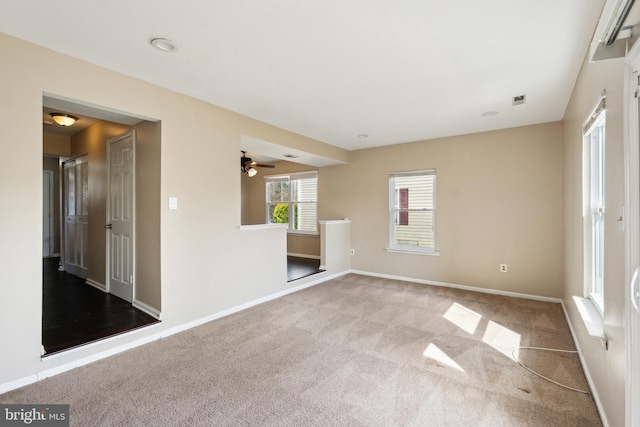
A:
(281, 214)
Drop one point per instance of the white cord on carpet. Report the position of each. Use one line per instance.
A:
(540, 375)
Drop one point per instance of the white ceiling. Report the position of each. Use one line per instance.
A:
(395, 70)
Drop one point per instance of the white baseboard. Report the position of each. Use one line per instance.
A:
(136, 342)
(96, 285)
(456, 286)
(249, 304)
(585, 369)
(303, 255)
(180, 328)
(146, 308)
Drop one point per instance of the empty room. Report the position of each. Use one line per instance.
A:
(344, 213)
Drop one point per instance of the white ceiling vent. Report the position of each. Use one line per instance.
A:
(519, 100)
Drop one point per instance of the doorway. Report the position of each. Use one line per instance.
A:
(79, 308)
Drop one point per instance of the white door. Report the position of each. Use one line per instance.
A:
(47, 214)
(120, 216)
(76, 216)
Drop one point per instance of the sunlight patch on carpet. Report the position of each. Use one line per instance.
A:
(502, 339)
(433, 352)
(463, 317)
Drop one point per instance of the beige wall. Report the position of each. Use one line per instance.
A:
(607, 368)
(56, 145)
(202, 249)
(148, 206)
(499, 200)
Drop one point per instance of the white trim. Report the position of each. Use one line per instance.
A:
(50, 212)
(293, 175)
(261, 226)
(456, 286)
(151, 311)
(412, 251)
(631, 225)
(303, 255)
(335, 221)
(585, 369)
(30, 379)
(590, 317)
(96, 285)
(302, 234)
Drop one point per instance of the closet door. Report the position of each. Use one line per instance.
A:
(76, 216)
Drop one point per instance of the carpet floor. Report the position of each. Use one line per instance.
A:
(354, 351)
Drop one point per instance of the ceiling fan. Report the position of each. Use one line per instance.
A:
(248, 166)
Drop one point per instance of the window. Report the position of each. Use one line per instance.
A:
(412, 210)
(593, 195)
(293, 199)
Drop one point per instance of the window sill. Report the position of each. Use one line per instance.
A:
(412, 252)
(590, 317)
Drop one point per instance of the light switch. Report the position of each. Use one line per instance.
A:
(173, 203)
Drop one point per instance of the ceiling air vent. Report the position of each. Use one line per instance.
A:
(519, 100)
(291, 156)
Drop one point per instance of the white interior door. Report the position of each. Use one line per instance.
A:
(47, 214)
(120, 216)
(76, 216)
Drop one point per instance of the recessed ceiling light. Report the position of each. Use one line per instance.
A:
(164, 45)
(291, 156)
(363, 135)
(489, 113)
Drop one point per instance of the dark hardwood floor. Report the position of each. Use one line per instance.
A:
(75, 313)
(298, 268)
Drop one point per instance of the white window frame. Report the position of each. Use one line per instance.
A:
(292, 199)
(394, 213)
(593, 195)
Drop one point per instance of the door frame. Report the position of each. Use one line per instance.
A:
(631, 130)
(48, 212)
(111, 141)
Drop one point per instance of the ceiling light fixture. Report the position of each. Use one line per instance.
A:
(165, 45)
(363, 135)
(251, 172)
(64, 119)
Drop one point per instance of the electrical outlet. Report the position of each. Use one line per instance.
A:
(503, 268)
(173, 203)
(352, 251)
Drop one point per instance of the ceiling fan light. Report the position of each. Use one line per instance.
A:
(251, 172)
(64, 119)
